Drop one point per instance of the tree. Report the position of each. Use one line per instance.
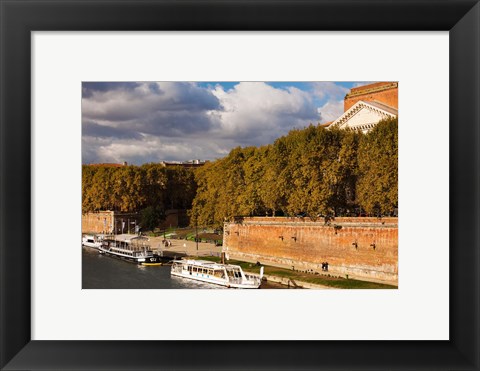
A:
(151, 217)
(204, 206)
(132, 188)
(154, 184)
(377, 185)
(180, 189)
(254, 168)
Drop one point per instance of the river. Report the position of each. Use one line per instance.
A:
(104, 272)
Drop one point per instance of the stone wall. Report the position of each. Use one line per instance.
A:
(175, 218)
(366, 248)
(98, 222)
(103, 221)
(386, 93)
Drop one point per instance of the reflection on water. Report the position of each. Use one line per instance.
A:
(103, 272)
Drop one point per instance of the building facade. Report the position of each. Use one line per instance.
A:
(365, 106)
(109, 222)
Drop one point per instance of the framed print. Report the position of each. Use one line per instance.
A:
(52, 111)
(49, 322)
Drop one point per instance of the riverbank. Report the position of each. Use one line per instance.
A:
(291, 278)
(280, 275)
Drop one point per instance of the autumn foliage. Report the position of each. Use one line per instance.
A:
(312, 171)
(134, 188)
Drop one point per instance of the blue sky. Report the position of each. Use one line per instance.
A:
(142, 122)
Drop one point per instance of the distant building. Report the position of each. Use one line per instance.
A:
(109, 222)
(191, 163)
(365, 106)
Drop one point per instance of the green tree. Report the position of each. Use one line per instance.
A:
(155, 184)
(132, 188)
(88, 173)
(254, 167)
(151, 217)
(274, 186)
(181, 187)
(377, 185)
(205, 206)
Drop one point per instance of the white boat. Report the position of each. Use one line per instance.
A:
(228, 275)
(131, 248)
(94, 241)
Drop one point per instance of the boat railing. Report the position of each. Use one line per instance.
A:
(234, 280)
(252, 277)
(249, 280)
(132, 246)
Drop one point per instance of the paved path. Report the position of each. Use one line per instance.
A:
(185, 247)
(189, 248)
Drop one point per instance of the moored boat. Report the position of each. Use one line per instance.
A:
(228, 275)
(93, 241)
(132, 249)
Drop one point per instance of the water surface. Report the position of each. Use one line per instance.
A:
(104, 272)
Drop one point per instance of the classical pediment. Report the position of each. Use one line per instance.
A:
(363, 116)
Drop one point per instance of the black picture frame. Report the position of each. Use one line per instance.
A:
(18, 18)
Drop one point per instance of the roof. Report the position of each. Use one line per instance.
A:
(382, 106)
(381, 109)
(206, 263)
(371, 88)
(129, 237)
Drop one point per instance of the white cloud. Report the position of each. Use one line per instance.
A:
(331, 111)
(150, 107)
(145, 122)
(329, 90)
(151, 149)
(260, 113)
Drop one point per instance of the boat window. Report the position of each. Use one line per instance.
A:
(219, 273)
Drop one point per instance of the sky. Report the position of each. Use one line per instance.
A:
(142, 122)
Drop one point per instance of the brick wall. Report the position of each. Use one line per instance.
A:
(175, 218)
(345, 243)
(96, 222)
(386, 93)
